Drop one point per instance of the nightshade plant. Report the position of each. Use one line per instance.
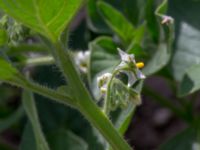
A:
(102, 86)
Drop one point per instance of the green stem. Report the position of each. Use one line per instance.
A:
(20, 81)
(44, 60)
(31, 111)
(85, 103)
(52, 94)
(106, 100)
(92, 112)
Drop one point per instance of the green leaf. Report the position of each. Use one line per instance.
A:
(190, 82)
(95, 21)
(3, 37)
(66, 140)
(187, 51)
(158, 60)
(31, 111)
(131, 9)
(161, 57)
(135, 46)
(7, 71)
(49, 18)
(26, 48)
(152, 24)
(182, 141)
(188, 35)
(117, 22)
(124, 118)
(104, 57)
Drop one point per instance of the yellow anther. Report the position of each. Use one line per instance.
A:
(140, 64)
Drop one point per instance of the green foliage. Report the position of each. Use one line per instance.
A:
(7, 71)
(117, 22)
(3, 37)
(182, 141)
(49, 18)
(61, 140)
(190, 82)
(145, 33)
(164, 48)
(187, 43)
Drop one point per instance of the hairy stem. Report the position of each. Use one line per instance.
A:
(85, 103)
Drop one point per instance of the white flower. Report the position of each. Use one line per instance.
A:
(81, 60)
(127, 58)
(128, 66)
(102, 82)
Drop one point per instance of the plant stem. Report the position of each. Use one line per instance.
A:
(106, 100)
(52, 94)
(43, 60)
(31, 111)
(85, 104)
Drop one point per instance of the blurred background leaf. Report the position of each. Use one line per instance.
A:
(182, 141)
(187, 35)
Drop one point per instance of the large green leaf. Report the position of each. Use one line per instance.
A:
(117, 22)
(191, 81)
(187, 50)
(187, 36)
(182, 141)
(46, 17)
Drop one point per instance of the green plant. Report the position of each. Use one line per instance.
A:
(102, 86)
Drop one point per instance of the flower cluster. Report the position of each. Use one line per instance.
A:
(117, 93)
(129, 66)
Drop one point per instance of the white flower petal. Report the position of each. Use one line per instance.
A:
(128, 58)
(140, 75)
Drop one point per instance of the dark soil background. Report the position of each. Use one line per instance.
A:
(152, 124)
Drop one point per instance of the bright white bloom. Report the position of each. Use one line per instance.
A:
(81, 60)
(128, 66)
(127, 58)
